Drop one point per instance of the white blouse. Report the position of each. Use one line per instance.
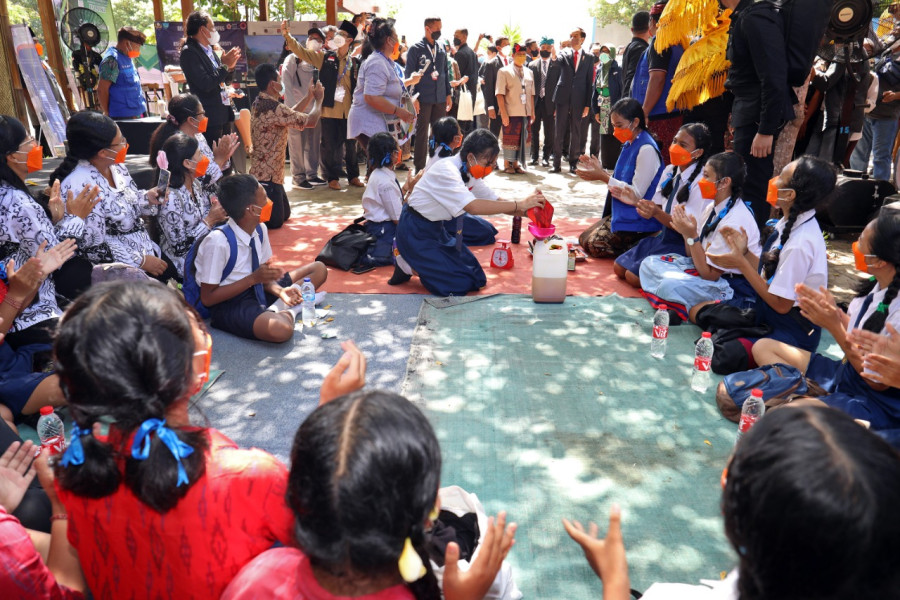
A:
(24, 226)
(181, 221)
(114, 231)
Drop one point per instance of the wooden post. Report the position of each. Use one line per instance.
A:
(157, 10)
(54, 55)
(331, 12)
(10, 68)
(263, 11)
(187, 7)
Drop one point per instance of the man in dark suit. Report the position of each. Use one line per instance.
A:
(572, 99)
(468, 67)
(207, 77)
(546, 74)
(489, 88)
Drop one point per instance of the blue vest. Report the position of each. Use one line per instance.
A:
(624, 216)
(126, 99)
(642, 78)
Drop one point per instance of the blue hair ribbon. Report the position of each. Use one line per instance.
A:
(387, 160)
(771, 222)
(74, 454)
(140, 450)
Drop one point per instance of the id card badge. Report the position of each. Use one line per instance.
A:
(522, 98)
(339, 93)
(223, 91)
(434, 75)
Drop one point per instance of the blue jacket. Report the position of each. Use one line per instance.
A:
(624, 216)
(642, 79)
(126, 99)
(430, 91)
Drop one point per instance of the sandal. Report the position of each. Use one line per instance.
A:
(510, 170)
(520, 170)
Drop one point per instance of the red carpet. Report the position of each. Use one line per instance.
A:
(301, 239)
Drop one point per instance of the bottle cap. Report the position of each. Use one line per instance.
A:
(663, 307)
(306, 279)
(46, 410)
(707, 334)
(756, 392)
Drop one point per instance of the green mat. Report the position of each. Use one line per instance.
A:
(552, 411)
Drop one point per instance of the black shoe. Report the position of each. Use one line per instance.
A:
(533, 162)
(398, 277)
(572, 169)
(305, 185)
(545, 163)
(360, 269)
(556, 169)
(401, 167)
(317, 181)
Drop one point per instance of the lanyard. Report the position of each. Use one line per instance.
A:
(346, 66)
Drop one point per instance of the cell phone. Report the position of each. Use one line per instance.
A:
(163, 184)
(315, 78)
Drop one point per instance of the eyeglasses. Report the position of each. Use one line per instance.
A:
(207, 362)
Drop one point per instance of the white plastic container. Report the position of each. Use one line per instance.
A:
(549, 272)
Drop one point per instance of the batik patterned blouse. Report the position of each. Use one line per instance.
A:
(181, 221)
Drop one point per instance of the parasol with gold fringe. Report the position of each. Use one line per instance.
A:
(702, 69)
(683, 20)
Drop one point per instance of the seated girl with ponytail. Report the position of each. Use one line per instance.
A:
(114, 231)
(365, 473)
(678, 186)
(442, 261)
(876, 306)
(186, 115)
(446, 139)
(157, 507)
(794, 253)
(189, 211)
(687, 284)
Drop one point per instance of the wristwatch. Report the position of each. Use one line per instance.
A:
(691, 241)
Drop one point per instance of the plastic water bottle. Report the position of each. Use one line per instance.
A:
(308, 308)
(516, 235)
(51, 431)
(660, 332)
(702, 363)
(752, 411)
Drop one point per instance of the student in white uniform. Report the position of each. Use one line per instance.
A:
(809, 501)
(876, 306)
(679, 185)
(188, 212)
(443, 263)
(793, 254)
(687, 284)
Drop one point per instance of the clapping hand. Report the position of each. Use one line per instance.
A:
(348, 375)
(590, 169)
(606, 556)
(646, 208)
(16, 473)
(881, 355)
(224, 147)
(55, 204)
(734, 257)
(83, 204)
(819, 306)
(477, 580)
(624, 193)
(230, 58)
(683, 223)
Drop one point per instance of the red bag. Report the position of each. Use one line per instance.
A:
(542, 217)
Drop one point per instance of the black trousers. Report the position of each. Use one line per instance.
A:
(336, 148)
(595, 135)
(281, 208)
(759, 172)
(495, 125)
(428, 116)
(568, 121)
(543, 117)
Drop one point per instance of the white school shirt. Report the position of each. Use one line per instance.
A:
(382, 200)
(803, 258)
(726, 589)
(645, 167)
(213, 255)
(114, 231)
(181, 221)
(739, 216)
(24, 226)
(695, 204)
(856, 305)
(442, 195)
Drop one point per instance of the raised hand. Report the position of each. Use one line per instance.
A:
(475, 583)
(736, 239)
(819, 307)
(624, 193)
(24, 282)
(606, 556)
(83, 204)
(16, 473)
(683, 223)
(56, 256)
(55, 204)
(348, 375)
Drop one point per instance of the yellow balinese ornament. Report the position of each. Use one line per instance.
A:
(703, 68)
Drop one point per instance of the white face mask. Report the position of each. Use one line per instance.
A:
(336, 42)
(213, 37)
(313, 45)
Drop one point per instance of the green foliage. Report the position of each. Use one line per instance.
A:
(513, 32)
(26, 11)
(617, 12)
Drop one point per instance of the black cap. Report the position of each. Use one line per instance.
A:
(315, 31)
(349, 28)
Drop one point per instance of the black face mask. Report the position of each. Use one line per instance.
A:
(457, 42)
(436, 35)
(596, 59)
(545, 54)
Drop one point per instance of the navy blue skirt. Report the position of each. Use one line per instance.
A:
(431, 252)
(849, 392)
(668, 241)
(476, 231)
(793, 328)
(17, 377)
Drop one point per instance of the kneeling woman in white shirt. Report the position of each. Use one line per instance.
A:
(443, 263)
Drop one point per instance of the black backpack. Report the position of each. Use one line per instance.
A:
(805, 22)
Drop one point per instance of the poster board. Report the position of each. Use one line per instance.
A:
(265, 43)
(53, 124)
(170, 35)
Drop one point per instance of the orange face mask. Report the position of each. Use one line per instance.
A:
(201, 124)
(35, 160)
(480, 171)
(860, 258)
(134, 53)
(623, 135)
(202, 166)
(708, 188)
(395, 54)
(120, 155)
(679, 156)
(40, 48)
(265, 212)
